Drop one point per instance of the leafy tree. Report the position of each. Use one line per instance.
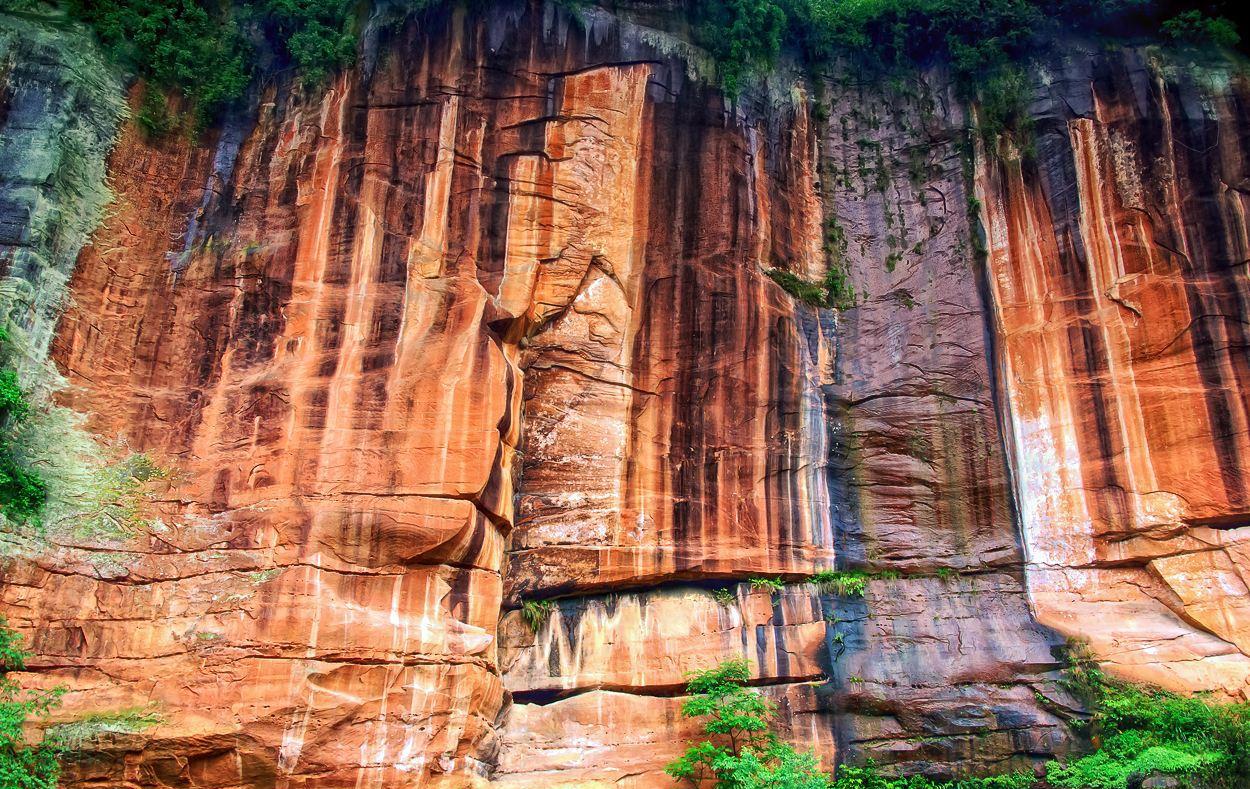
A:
(1195, 27)
(175, 44)
(740, 752)
(318, 35)
(23, 765)
(740, 34)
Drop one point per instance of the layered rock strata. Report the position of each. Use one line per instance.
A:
(488, 321)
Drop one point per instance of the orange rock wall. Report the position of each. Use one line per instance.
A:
(328, 318)
(487, 321)
(1117, 264)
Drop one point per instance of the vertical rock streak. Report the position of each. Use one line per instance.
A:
(487, 321)
(1116, 267)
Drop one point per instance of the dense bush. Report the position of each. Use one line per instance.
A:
(178, 44)
(739, 34)
(1194, 27)
(23, 491)
(867, 777)
(208, 50)
(740, 750)
(833, 291)
(1145, 730)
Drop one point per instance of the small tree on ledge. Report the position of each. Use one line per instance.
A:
(740, 751)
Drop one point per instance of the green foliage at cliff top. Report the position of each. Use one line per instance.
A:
(975, 37)
(210, 50)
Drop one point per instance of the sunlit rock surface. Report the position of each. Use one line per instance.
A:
(487, 321)
(1117, 262)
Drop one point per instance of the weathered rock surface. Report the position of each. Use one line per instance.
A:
(1117, 265)
(488, 321)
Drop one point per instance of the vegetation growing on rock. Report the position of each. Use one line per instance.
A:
(1144, 731)
(741, 751)
(210, 51)
(535, 612)
(85, 728)
(23, 491)
(23, 764)
(1141, 732)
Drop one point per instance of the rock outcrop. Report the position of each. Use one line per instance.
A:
(488, 321)
(1117, 261)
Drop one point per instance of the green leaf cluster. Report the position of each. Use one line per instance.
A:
(833, 291)
(1197, 29)
(209, 51)
(740, 34)
(188, 45)
(867, 777)
(740, 751)
(1145, 731)
(848, 583)
(23, 765)
(771, 585)
(23, 491)
(535, 612)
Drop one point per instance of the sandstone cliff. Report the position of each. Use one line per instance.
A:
(488, 320)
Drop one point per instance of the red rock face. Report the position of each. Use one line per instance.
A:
(323, 318)
(1117, 267)
(488, 321)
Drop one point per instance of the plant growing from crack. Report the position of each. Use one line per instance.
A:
(774, 586)
(846, 583)
(535, 612)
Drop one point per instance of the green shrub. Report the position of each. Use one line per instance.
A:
(23, 765)
(1145, 730)
(208, 50)
(187, 45)
(839, 293)
(739, 34)
(13, 404)
(833, 291)
(724, 596)
(154, 118)
(23, 492)
(1003, 100)
(318, 35)
(740, 750)
(535, 612)
(771, 585)
(840, 582)
(867, 777)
